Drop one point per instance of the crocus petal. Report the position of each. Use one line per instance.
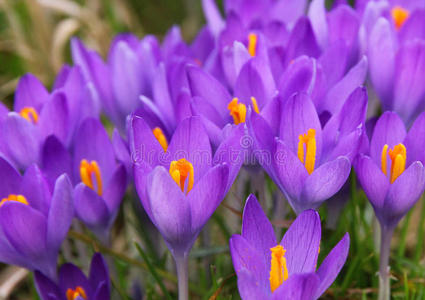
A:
(102, 291)
(332, 264)
(414, 26)
(249, 288)
(55, 160)
(341, 90)
(256, 228)
(121, 150)
(207, 195)
(343, 24)
(30, 92)
(170, 209)
(373, 181)
(334, 61)
(301, 242)
(389, 130)
(54, 118)
(409, 88)
(381, 54)
(246, 258)
(404, 193)
(162, 96)
(201, 107)
(20, 140)
(297, 287)
(99, 272)
(46, 288)
(190, 141)
(26, 230)
(115, 189)
(70, 277)
(204, 85)
(90, 207)
(415, 141)
(36, 190)
(61, 213)
(298, 116)
(317, 16)
(288, 11)
(212, 14)
(11, 179)
(290, 171)
(324, 182)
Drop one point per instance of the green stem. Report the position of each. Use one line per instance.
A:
(384, 258)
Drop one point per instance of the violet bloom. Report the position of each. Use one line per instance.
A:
(393, 179)
(38, 115)
(310, 164)
(286, 270)
(101, 181)
(180, 184)
(395, 45)
(33, 221)
(74, 285)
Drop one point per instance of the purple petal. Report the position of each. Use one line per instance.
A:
(317, 16)
(212, 14)
(334, 62)
(249, 288)
(162, 96)
(414, 27)
(90, 207)
(102, 292)
(203, 108)
(54, 118)
(99, 272)
(415, 141)
(190, 141)
(404, 193)
(389, 130)
(207, 195)
(325, 182)
(70, 277)
(30, 92)
(297, 287)
(288, 11)
(115, 190)
(11, 181)
(332, 264)
(381, 54)
(373, 181)
(46, 288)
(256, 228)
(409, 87)
(36, 190)
(343, 24)
(61, 213)
(301, 242)
(246, 258)
(170, 209)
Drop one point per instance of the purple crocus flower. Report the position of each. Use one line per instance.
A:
(307, 162)
(182, 184)
(100, 181)
(38, 115)
(33, 221)
(74, 285)
(286, 270)
(394, 42)
(393, 179)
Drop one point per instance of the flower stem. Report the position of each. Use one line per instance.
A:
(384, 274)
(182, 275)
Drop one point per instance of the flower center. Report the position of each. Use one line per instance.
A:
(278, 268)
(74, 294)
(160, 136)
(398, 161)
(252, 44)
(88, 171)
(308, 155)
(180, 170)
(238, 110)
(16, 198)
(29, 114)
(399, 15)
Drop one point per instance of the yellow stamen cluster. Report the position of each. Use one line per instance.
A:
(180, 170)
(74, 294)
(278, 269)
(309, 140)
(160, 136)
(87, 171)
(399, 15)
(237, 111)
(398, 161)
(16, 198)
(29, 114)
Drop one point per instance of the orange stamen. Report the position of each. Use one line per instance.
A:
(29, 114)
(87, 170)
(309, 140)
(237, 111)
(15, 198)
(398, 161)
(160, 136)
(399, 15)
(252, 44)
(74, 294)
(278, 269)
(180, 170)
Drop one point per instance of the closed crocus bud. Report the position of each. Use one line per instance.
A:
(74, 285)
(267, 269)
(33, 222)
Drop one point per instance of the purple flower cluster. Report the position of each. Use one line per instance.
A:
(267, 86)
